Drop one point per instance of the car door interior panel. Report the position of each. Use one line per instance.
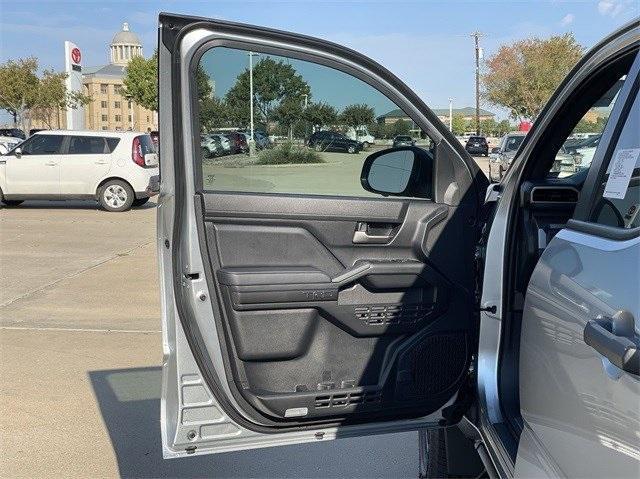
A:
(322, 325)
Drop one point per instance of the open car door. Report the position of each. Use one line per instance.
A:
(306, 294)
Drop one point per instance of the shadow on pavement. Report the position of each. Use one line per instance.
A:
(70, 204)
(129, 401)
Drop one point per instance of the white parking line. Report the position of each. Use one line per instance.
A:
(90, 330)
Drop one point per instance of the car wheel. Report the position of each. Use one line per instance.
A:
(139, 201)
(116, 195)
(365, 145)
(12, 203)
(205, 153)
(317, 147)
(351, 149)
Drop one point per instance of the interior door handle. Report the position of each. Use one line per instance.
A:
(615, 339)
(361, 236)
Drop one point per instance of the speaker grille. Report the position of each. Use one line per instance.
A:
(437, 362)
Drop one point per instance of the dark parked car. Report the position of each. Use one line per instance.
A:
(502, 156)
(333, 141)
(238, 142)
(403, 140)
(477, 145)
(14, 132)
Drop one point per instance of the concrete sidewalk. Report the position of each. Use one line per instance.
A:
(80, 354)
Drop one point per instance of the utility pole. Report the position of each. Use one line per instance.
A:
(476, 35)
(450, 114)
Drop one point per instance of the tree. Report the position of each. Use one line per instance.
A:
(586, 126)
(53, 97)
(288, 113)
(488, 126)
(400, 127)
(522, 76)
(19, 88)
(503, 128)
(27, 96)
(458, 124)
(357, 115)
(320, 114)
(274, 81)
(213, 113)
(141, 81)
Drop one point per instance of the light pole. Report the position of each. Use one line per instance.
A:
(450, 114)
(306, 123)
(252, 144)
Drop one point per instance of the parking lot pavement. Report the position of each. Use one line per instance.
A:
(80, 354)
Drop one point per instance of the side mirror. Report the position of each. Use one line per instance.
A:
(404, 171)
(495, 150)
(18, 152)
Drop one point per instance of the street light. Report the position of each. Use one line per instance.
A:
(251, 142)
(450, 114)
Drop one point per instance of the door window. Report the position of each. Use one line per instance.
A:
(309, 112)
(42, 145)
(87, 145)
(618, 198)
(577, 152)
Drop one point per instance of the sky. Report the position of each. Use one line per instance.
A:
(425, 43)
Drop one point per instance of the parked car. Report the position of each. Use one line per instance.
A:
(583, 150)
(33, 131)
(500, 320)
(14, 132)
(155, 137)
(503, 154)
(211, 146)
(477, 145)
(333, 141)
(238, 142)
(118, 169)
(403, 140)
(8, 143)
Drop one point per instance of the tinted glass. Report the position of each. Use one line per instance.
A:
(317, 117)
(512, 143)
(42, 145)
(580, 146)
(87, 145)
(112, 143)
(146, 144)
(618, 201)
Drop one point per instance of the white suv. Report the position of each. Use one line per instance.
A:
(119, 169)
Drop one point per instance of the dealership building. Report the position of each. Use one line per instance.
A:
(108, 108)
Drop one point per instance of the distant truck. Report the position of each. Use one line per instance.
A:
(360, 134)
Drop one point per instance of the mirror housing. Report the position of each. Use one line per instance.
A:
(495, 150)
(17, 152)
(403, 171)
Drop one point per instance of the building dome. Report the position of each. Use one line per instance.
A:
(124, 46)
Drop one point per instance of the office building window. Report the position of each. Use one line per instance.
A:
(118, 117)
(103, 104)
(104, 88)
(117, 104)
(104, 117)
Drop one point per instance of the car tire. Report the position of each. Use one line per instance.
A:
(351, 149)
(116, 196)
(139, 202)
(12, 203)
(205, 153)
(365, 145)
(317, 147)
